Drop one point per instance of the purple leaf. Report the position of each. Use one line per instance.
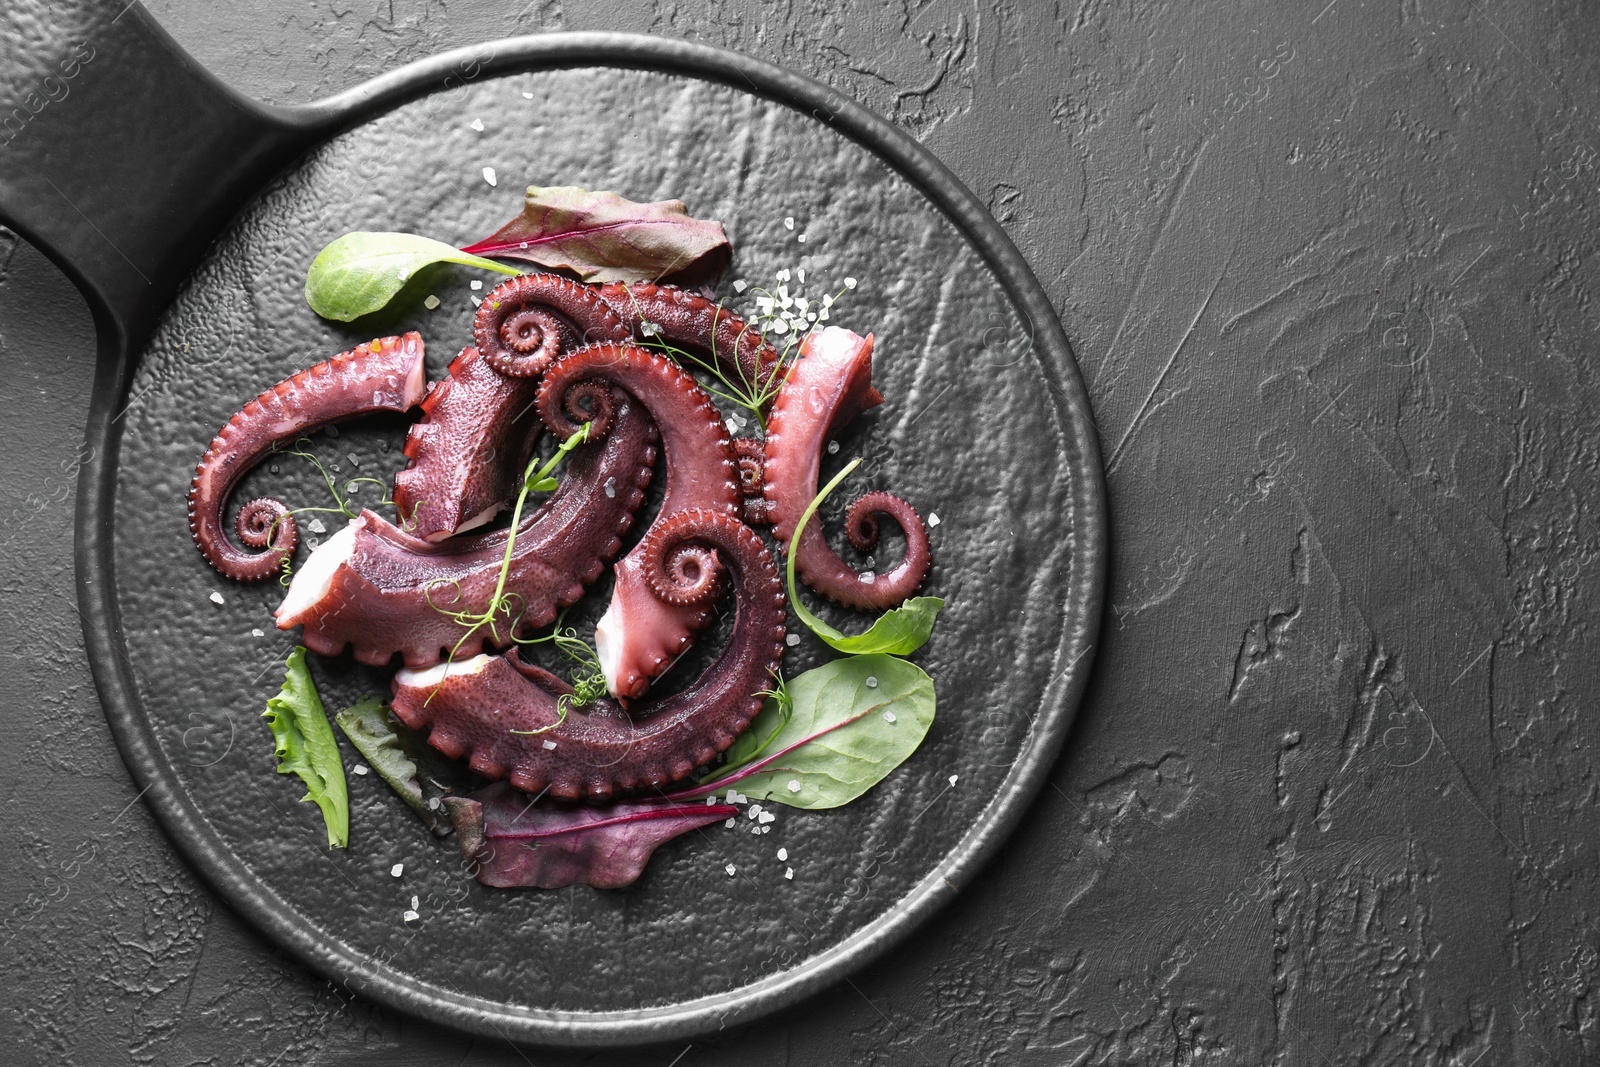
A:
(512, 841)
(603, 237)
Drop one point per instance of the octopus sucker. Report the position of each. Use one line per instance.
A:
(386, 374)
(829, 385)
(642, 635)
(505, 715)
(382, 591)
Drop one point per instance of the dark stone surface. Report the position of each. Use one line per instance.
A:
(1331, 796)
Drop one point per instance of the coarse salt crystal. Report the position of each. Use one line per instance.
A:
(433, 803)
(431, 303)
(788, 223)
(477, 124)
(216, 598)
(780, 326)
(754, 810)
(888, 716)
(933, 518)
(397, 870)
(791, 640)
(611, 488)
(527, 96)
(783, 854)
(488, 175)
(410, 916)
(953, 778)
(833, 447)
(730, 821)
(766, 817)
(710, 800)
(800, 275)
(788, 872)
(360, 768)
(549, 745)
(764, 829)
(476, 300)
(849, 283)
(872, 681)
(415, 903)
(783, 275)
(257, 633)
(475, 285)
(868, 577)
(315, 526)
(801, 238)
(733, 427)
(740, 287)
(731, 869)
(755, 829)
(794, 785)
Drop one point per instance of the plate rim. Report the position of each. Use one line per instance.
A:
(1082, 603)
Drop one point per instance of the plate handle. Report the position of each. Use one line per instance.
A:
(121, 157)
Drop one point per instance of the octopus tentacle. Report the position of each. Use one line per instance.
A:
(640, 636)
(505, 717)
(749, 461)
(476, 432)
(829, 385)
(381, 591)
(386, 374)
(688, 319)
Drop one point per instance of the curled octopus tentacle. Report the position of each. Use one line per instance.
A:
(381, 591)
(477, 430)
(505, 717)
(385, 374)
(639, 636)
(830, 384)
(749, 461)
(703, 326)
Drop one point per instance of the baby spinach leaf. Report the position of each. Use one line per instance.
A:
(305, 747)
(360, 272)
(897, 632)
(852, 722)
(513, 841)
(603, 237)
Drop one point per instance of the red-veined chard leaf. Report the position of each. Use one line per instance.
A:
(603, 237)
(850, 722)
(360, 273)
(513, 841)
(898, 632)
(305, 747)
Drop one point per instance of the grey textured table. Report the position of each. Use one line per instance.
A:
(1332, 795)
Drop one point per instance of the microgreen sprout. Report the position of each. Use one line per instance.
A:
(588, 680)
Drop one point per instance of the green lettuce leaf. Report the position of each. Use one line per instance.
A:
(305, 747)
(360, 272)
(850, 723)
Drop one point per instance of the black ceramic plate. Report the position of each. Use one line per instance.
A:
(985, 425)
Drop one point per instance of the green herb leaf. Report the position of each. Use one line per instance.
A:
(305, 746)
(360, 273)
(603, 237)
(852, 722)
(897, 632)
(367, 726)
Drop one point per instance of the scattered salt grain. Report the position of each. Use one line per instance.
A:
(476, 300)
(755, 830)
(475, 285)
(740, 287)
(872, 681)
(216, 598)
(849, 283)
(782, 275)
(731, 869)
(410, 916)
(933, 519)
(763, 829)
(549, 746)
(888, 716)
(315, 526)
(783, 854)
(611, 488)
(788, 223)
(869, 577)
(788, 872)
(801, 238)
(415, 903)
(833, 447)
(433, 803)
(360, 768)
(800, 275)
(710, 800)
(431, 303)
(488, 175)
(477, 124)
(755, 809)
(766, 817)
(257, 633)
(792, 640)
(733, 427)
(794, 785)
(730, 821)
(397, 870)
(953, 778)
(527, 96)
